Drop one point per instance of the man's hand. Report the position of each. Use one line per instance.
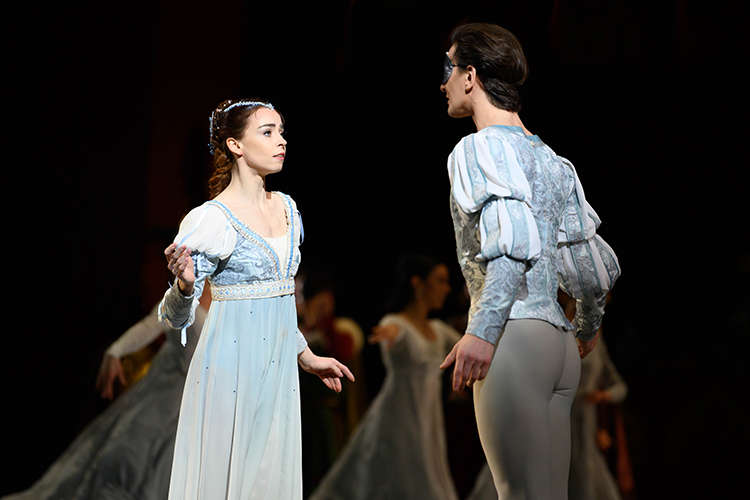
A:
(473, 357)
(586, 346)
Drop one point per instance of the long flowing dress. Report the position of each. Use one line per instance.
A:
(126, 451)
(398, 451)
(239, 434)
(590, 476)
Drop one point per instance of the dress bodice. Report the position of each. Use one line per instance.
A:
(236, 261)
(254, 258)
(413, 352)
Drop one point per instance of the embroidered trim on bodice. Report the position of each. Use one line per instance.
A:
(253, 291)
(252, 236)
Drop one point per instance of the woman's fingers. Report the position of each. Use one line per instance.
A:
(336, 370)
(168, 251)
(333, 383)
(336, 383)
(346, 371)
(178, 259)
(341, 370)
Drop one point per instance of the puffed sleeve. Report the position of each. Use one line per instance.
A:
(587, 266)
(209, 235)
(398, 346)
(486, 178)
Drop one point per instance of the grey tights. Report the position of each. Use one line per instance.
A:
(523, 410)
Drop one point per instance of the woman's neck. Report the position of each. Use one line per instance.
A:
(247, 187)
(417, 312)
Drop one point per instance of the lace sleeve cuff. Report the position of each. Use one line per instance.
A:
(178, 310)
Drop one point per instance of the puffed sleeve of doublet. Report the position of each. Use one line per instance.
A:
(587, 266)
(209, 234)
(486, 178)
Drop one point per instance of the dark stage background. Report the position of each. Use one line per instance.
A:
(108, 108)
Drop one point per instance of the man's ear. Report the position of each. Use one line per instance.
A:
(470, 79)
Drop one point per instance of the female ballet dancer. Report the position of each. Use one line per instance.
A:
(399, 448)
(239, 433)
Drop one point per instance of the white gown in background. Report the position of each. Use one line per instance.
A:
(590, 476)
(398, 450)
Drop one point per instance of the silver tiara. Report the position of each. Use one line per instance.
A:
(212, 129)
(248, 103)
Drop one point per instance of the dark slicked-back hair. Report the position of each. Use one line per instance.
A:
(498, 58)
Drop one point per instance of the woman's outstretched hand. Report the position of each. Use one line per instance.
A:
(385, 334)
(330, 370)
(180, 264)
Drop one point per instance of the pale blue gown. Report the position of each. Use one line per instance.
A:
(239, 433)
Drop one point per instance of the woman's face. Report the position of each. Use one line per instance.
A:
(262, 146)
(454, 90)
(436, 287)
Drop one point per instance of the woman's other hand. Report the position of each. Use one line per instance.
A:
(180, 264)
(109, 371)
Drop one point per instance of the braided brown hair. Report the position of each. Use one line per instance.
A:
(229, 120)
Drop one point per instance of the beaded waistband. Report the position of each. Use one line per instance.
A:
(253, 291)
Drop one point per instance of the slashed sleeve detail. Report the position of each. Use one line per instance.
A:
(209, 235)
(487, 178)
(587, 266)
